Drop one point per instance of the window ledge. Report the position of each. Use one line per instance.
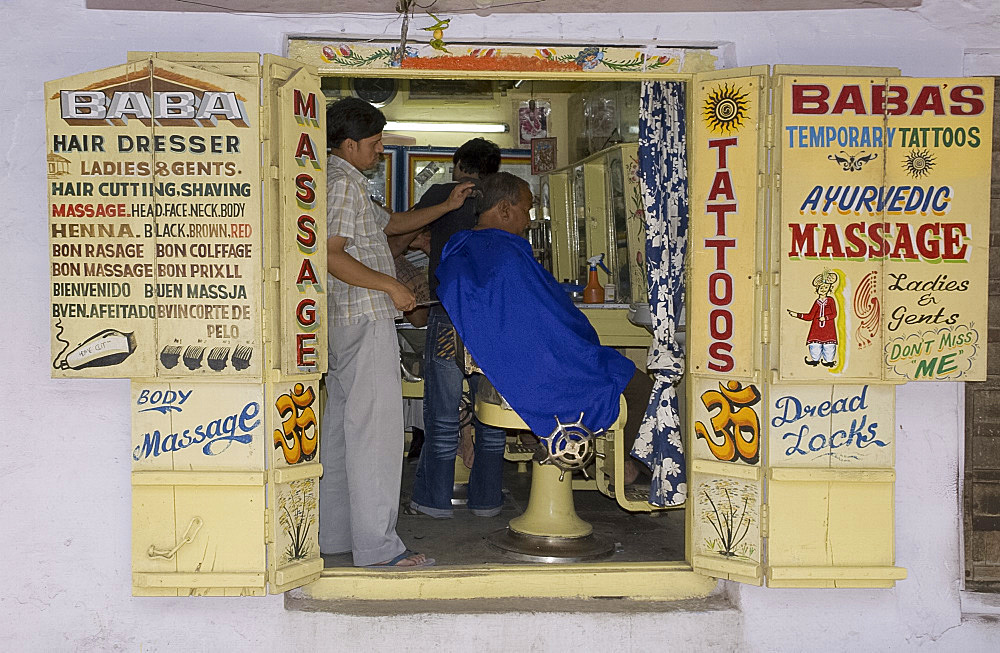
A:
(980, 603)
(587, 587)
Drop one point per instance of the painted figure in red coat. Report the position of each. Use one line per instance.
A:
(822, 337)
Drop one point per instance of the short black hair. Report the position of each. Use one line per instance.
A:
(479, 157)
(498, 187)
(352, 118)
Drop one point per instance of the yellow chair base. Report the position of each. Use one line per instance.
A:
(550, 530)
(537, 548)
(550, 511)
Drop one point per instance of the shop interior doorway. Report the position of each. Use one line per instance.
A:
(544, 128)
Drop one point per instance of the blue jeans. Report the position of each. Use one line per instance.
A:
(432, 488)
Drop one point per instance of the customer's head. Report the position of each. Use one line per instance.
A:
(354, 132)
(476, 158)
(505, 203)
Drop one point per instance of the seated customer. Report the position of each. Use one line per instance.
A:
(533, 344)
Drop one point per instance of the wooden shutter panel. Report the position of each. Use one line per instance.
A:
(725, 324)
(830, 486)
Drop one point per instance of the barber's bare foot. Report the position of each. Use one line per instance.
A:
(631, 471)
(410, 561)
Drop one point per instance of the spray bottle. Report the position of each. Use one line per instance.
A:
(594, 292)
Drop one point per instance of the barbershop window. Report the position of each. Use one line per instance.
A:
(579, 143)
(576, 143)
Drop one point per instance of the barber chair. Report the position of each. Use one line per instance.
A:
(549, 530)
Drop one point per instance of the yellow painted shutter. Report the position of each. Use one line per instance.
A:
(726, 518)
(294, 147)
(225, 487)
(890, 205)
(225, 474)
(294, 150)
(90, 206)
(830, 486)
(942, 146)
(831, 436)
(209, 260)
(725, 304)
(822, 477)
(811, 165)
(293, 557)
(198, 488)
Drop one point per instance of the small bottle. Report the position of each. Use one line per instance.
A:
(594, 292)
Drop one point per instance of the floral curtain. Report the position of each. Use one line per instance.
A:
(663, 177)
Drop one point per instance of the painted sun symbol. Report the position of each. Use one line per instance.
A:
(918, 163)
(725, 109)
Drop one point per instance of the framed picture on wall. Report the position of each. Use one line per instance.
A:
(532, 121)
(543, 155)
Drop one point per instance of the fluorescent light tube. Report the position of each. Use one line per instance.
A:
(467, 127)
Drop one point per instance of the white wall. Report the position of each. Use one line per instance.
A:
(64, 479)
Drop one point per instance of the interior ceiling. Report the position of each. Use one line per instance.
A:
(450, 7)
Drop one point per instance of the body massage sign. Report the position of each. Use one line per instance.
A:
(884, 221)
(198, 491)
(154, 213)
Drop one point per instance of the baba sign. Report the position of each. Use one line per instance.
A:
(154, 216)
(884, 228)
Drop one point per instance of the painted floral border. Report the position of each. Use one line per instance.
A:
(348, 55)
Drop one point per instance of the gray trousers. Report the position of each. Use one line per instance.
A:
(362, 445)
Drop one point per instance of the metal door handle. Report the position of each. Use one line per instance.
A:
(189, 535)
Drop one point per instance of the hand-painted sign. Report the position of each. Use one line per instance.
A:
(884, 220)
(831, 425)
(727, 421)
(303, 224)
(723, 242)
(154, 172)
(197, 426)
(298, 435)
(734, 432)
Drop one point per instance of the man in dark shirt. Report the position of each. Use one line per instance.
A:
(432, 488)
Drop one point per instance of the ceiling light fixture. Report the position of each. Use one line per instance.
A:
(465, 127)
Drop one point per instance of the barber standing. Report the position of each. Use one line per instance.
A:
(362, 444)
(435, 479)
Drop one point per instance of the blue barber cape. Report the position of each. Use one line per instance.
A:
(533, 344)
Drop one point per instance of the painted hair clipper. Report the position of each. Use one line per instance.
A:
(103, 349)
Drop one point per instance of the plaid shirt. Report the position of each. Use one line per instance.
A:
(352, 214)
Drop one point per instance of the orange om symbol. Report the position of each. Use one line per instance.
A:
(736, 427)
(297, 436)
